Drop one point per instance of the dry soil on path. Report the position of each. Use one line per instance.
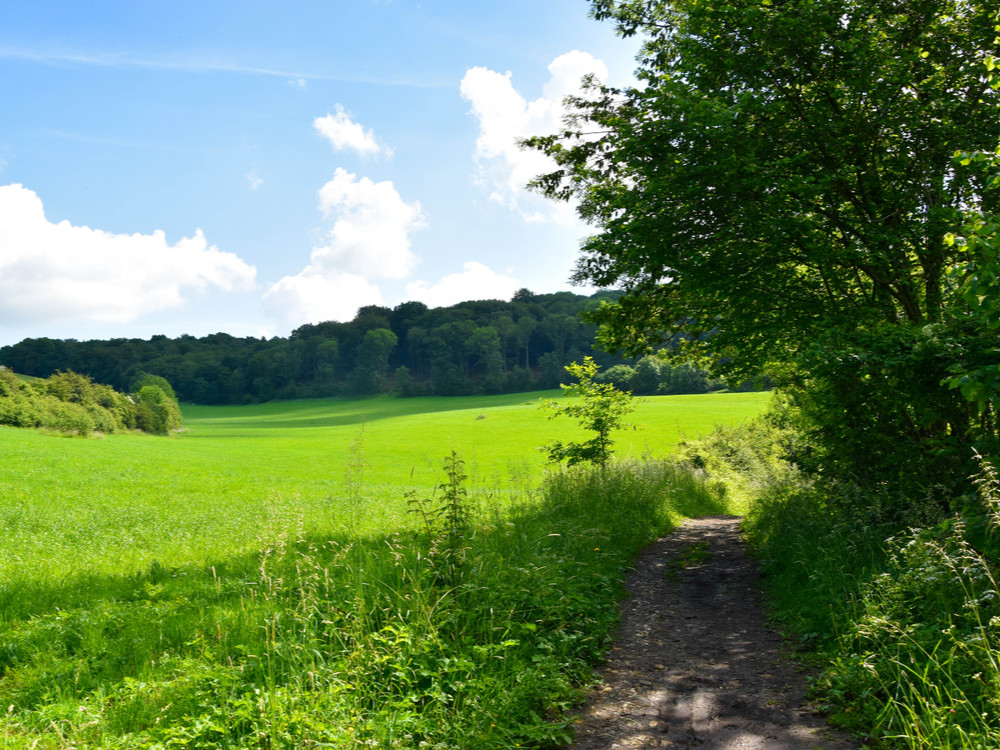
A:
(694, 664)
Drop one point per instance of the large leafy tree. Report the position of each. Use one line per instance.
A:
(783, 168)
(783, 178)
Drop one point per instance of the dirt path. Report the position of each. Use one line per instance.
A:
(693, 664)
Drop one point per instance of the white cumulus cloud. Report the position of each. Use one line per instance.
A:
(60, 271)
(474, 281)
(505, 117)
(344, 133)
(369, 239)
(312, 297)
(371, 231)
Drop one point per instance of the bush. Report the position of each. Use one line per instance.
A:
(159, 414)
(70, 402)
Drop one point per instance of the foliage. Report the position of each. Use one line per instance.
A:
(447, 524)
(768, 177)
(976, 279)
(897, 602)
(144, 378)
(920, 664)
(156, 412)
(877, 413)
(602, 410)
(484, 346)
(71, 402)
(653, 374)
(780, 187)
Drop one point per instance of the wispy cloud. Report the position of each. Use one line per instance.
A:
(123, 60)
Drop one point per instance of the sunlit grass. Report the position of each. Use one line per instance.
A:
(404, 439)
(259, 580)
(236, 474)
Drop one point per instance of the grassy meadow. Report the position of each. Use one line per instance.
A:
(237, 476)
(262, 580)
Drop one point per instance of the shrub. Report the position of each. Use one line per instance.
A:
(600, 408)
(70, 402)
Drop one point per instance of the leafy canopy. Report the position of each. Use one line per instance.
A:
(783, 170)
(781, 192)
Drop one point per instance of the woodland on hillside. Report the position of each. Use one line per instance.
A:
(488, 346)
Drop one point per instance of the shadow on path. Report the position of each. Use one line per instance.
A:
(693, 665)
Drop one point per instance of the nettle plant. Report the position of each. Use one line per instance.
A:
(599, 407)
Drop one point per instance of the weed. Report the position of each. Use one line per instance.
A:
(446, 524)
(691, 556)
(904, 619)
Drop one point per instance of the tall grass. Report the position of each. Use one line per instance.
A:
(474, 628)
(899, 607)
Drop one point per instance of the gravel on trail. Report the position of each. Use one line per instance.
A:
(694, 664)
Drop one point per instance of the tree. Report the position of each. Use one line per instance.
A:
(977, 284)
(782, 182)
(483, 348)
(373, 360)
(327, 356)
(156, 412)
(650, 373)
(602, 409)
(145, 378)
(783, 167)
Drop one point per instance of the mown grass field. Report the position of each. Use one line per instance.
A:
(259, 580)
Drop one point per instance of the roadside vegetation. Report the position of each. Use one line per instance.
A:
(263, 580)
(894, 597)
(810, 190)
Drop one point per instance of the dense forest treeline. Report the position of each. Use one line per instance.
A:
(490, 346)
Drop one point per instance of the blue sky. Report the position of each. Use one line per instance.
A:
(246, 167)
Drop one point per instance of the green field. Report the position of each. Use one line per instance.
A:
(260, 580)
(239, 475)
(405, 439)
